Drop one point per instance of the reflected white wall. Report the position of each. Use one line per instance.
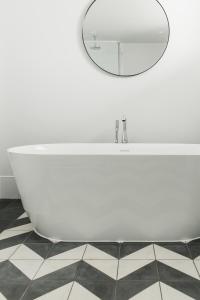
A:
(124, 58)
(105, 54)
(138, 57)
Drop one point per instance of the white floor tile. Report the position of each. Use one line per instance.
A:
(197, 258)
(76, 253)
(7, 252)
(127, 267)
(24, 215)
(163, 253)
(50, 266)
(28, 267)
(169, 293)
(80, 293)
(94, 253)
(109, 267)
(151, 293)
(10, 233)
(197, 263)
(185, 266)
(144, 253)
(23, 252)
(2, 297)
(25, 227)
(61, 293)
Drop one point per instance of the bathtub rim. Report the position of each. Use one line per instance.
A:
(107, 149)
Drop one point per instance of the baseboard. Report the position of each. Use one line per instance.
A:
(8, 188)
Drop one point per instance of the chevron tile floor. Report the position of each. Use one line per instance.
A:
(34, 268)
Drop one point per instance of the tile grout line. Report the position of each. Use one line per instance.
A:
(84, 252)
(76, 273)
(70, 290)
(161, 294)
(196, 268)
(154, 250)
(37, 270)
(31, 281)
(28, 235)
(50, 249)
(28, 286)
(44, 259)
(188, 248)
(193, 260)
(115, 294)
(14, 251)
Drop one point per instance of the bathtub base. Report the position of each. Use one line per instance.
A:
(55, 241)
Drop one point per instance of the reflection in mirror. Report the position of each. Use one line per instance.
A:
(125, 37)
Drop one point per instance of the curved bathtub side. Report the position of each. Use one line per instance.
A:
(110, 198)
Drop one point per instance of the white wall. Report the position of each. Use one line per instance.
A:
(51, 92)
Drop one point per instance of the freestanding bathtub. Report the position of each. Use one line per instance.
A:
(110, 192)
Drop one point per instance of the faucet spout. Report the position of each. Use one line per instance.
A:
(124, 132)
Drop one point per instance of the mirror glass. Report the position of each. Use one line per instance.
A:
(125, 37)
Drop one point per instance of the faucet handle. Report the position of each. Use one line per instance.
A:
(117, 124)
(116, 131)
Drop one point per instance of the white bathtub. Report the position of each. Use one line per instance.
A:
(110, 192)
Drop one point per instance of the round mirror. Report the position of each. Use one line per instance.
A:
(125, 37)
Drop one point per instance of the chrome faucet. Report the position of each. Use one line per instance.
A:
(124, 132)
(116, 131)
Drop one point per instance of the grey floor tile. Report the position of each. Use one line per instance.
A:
(194, 242)
(65, 270)
(87, 272)
(105, 290)
(19, 222)
(15, 203)
(168, 273)
(10, 213)
(40, 288)
(14, 240)
(194, 250)
(4, 224)
(35, 238)
(96, 281)
(13, 290)
(145, 273)
(63, 247)
(178, 247)
(128, 289)
(8, 272)
(41, 249)
(129, 248)
(13, 282)
(4, 203)
(109, 248)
